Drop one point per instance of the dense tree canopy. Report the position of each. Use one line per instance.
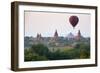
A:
(39, 52)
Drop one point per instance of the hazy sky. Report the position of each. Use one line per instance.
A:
(47, 22)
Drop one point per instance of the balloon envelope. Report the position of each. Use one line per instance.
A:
(73, 20)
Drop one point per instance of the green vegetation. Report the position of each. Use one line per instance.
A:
(40, 52)
(30, 56)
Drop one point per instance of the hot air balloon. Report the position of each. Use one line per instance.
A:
(73, 20)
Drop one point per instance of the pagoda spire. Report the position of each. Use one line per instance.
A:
(79, 33)
(78, 37)
(56, 34)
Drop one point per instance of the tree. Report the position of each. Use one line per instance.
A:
(40, 49)
(29, 56)
(84, 50)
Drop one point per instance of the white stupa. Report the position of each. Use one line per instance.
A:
(70, 36)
